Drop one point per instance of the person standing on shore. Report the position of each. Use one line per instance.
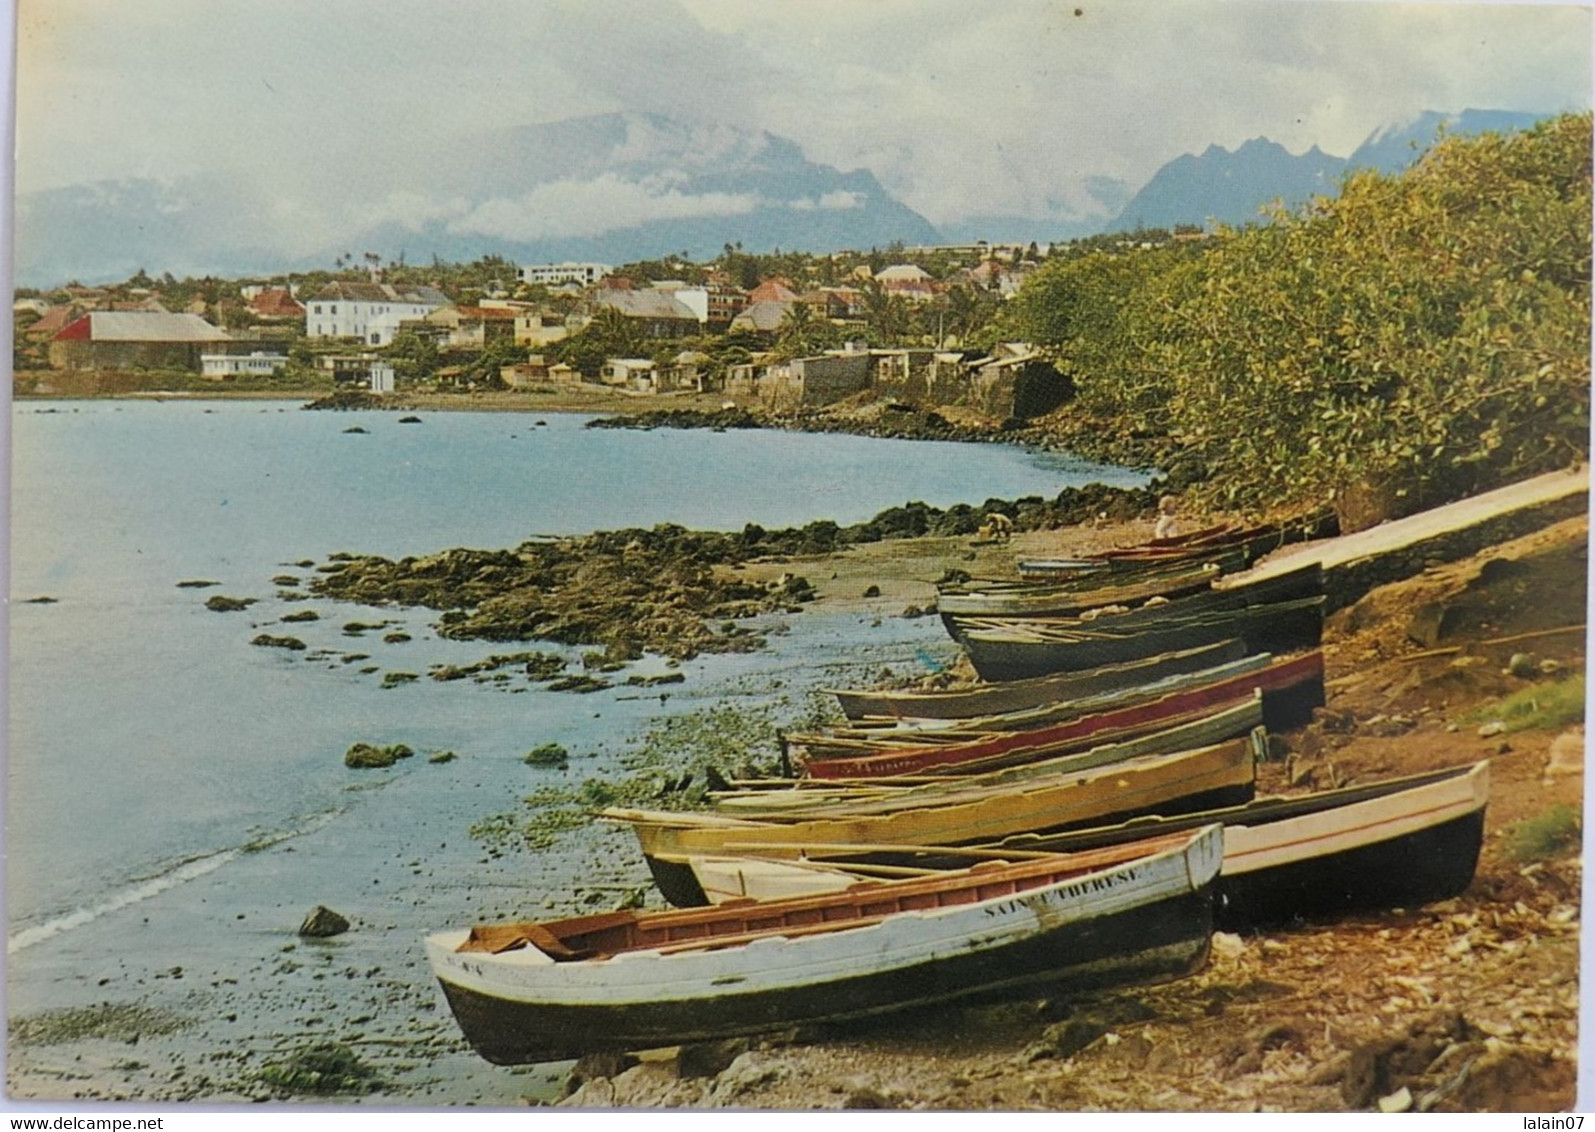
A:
(1167, 525)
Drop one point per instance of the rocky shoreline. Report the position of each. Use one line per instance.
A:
(881, 420)
(666, 590)
(1470, 1005)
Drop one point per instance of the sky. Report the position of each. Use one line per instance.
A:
(960, 109)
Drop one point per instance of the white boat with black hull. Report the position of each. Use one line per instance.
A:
(533, 992)
(1399, 843)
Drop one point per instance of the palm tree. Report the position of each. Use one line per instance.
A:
(797, 331)
(885, 314)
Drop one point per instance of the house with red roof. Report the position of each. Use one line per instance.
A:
(274, 304)
(134, 340)
(772, 290)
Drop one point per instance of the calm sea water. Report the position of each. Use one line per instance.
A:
(171, 787)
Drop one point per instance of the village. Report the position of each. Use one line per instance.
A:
(899, 332)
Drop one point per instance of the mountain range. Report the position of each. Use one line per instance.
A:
(611, 188)
(1233, 187)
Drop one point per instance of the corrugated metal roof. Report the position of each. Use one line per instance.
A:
(150, 326)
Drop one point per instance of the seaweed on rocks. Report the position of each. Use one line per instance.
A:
(552, 755)
(367, 756)
(223, 604)
(322, 1069)
(665, 590)
(672, 765)
(681, 418)
(344, 399)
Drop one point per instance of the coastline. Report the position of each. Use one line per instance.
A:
(1274, 1022)
(626, 409)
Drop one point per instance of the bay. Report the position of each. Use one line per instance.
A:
(177, 798)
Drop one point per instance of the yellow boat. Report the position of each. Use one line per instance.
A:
(1219, 775)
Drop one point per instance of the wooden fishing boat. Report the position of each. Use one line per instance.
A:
(1088, 573)
(1058, 568)
(1296, 682)
(532, 992)
(895, 733)
(1291, 688)
(1018, 695)
(1399, 843)
(1240, 547)
(1030, 600)
(789, 798)
(1017, 651)
(1222, 774)
(1304, 582)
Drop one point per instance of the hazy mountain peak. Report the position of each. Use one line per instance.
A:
(609, 187)
(1232, 187)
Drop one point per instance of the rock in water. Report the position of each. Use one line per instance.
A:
(223, 604)
(323, 923)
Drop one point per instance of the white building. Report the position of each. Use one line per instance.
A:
(382, 379)
(370, 312)
(219, 367)
(553, 274)
(695, 299)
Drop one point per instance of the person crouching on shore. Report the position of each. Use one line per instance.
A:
(997, 527)
(1167, 525)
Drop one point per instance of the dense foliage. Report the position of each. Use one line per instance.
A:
(1417, 338)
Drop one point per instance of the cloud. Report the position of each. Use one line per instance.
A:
(841, 200)
(593, 207)
(958, 109)
(412, 211)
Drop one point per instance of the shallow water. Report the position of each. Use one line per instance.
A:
(176, 798)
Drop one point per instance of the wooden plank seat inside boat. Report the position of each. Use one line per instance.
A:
(606, 934)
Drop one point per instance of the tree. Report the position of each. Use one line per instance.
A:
(886, 316)
(414, 356)
(802, 333)
(609, 335)
(1416, 338)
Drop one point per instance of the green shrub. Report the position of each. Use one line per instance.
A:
(1539, 706)
(1558, 829)
(322, 1069)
